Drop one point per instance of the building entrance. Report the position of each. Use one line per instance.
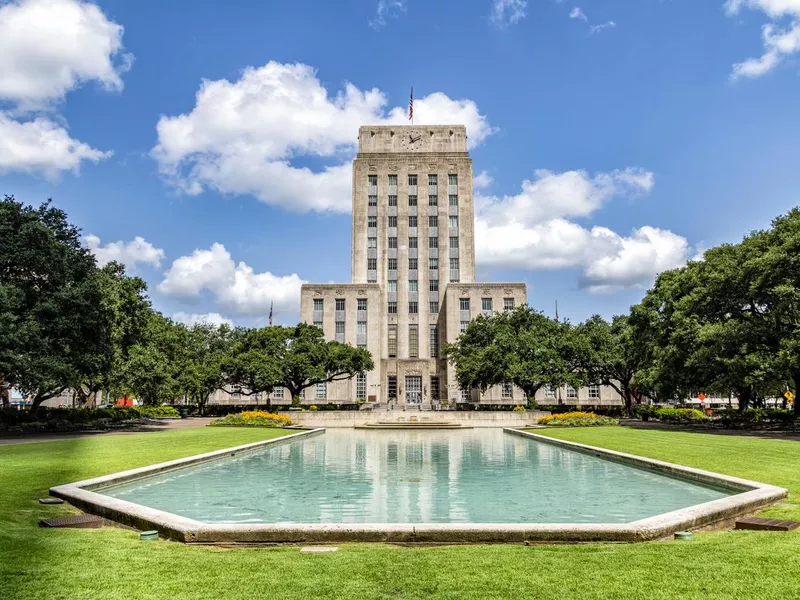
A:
(413, 389)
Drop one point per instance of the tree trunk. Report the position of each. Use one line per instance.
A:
(627, 396)
(37, 402)
(744, 397)
(796, 379)
(5, 394)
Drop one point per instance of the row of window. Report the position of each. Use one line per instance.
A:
(486, 304)
(433, 200)
(413, 242)
(413, 265)
(571, 392)
(413, 221)
(319, 304)
(413, 341)
(412, 180)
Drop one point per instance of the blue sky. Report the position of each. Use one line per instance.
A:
(613, 139)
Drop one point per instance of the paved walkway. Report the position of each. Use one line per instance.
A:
(160, 425)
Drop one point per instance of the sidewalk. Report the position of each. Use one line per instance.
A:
(154, 425)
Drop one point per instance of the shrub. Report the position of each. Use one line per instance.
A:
(253, 418)
(577, 419)
(313, 408)
(680, 415)
(756, 417)
(519, 409)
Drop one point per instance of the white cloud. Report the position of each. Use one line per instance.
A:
(482, 181)
(236, 286)
(508, 12)
(533, 230)
(387, 9)
(41, 146)
(212, 318)
(242, 137)
(131, 254)
(49, 47)
(602, 26)
(577, 13)
(779, 42)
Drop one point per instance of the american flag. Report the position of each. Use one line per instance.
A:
(411, 106)
(270, 313)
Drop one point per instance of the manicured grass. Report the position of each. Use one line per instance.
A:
(113, 563)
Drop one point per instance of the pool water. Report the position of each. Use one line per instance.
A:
(398, 476)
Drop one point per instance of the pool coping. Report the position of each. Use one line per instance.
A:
(752, 497)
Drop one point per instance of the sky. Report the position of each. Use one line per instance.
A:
(207, 145)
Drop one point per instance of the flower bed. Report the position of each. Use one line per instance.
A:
(252, 418)
(577, 419)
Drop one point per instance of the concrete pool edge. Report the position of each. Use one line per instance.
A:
(752, 497)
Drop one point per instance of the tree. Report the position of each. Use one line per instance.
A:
(206, 349)
(153, 367)
(253, 366)
(610, 354)
(52, 317)
(523, 347)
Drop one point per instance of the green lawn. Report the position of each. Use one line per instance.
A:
(113, 563)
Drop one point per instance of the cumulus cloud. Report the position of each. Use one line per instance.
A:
(534, 230)
(779, 41)
(41, 146)
(243, 137)
(482, 181)
(385, 10)
(508, 12)
(577, 13)
(48, 48)
(236, 286)
(131, 254)
(212, 318)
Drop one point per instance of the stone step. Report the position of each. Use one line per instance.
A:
(78, 521)
(757, 524)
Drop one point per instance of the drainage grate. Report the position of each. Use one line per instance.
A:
(79, 521)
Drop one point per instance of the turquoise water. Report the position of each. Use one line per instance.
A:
(455, 476)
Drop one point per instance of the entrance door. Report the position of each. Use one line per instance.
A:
(413, 389)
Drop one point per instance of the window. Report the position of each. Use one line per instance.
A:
(433, 221)
(393, 200)
(507, 391)
(393, 242)
(434, 342)
(361, 304)
(412, 242)
(392, 264)
(372, 179)
(433, 308)
(571, 392)
(392, 221)
(393, 180)
(486, 304)
(412, 221)
(453, 221)
(549, 391)
(432, 179)
(413, 264)
(463, 303)
(454, 241)
(452, 200)
(466, 395)
(277, 391)
(391, 285)
(340, 304)
(318, 324)
(433, 242)
(412, 200)
(372, 221)
(392, 341)
(372, 264)
(594, 391)
(361, 327)
(434, 387)
(412, 180)
(412, 285)
(433, 285)
(372, 201)
(452, 180)
(463, 327)
(433, 200)
(508, 304)
(361, 386)
(392, 308)
(433, 263)
(372, 242)
(322, 391)
(318, 304)
(391, 386)
(413, 341)
(454, 264)
(339, 327)
(413, 308)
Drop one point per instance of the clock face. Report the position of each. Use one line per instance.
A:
(412, 139)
